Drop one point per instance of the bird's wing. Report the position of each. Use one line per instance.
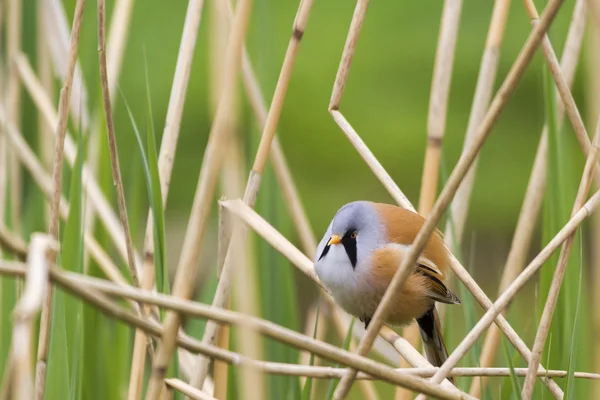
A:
(436, 289)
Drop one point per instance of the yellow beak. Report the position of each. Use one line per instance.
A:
(335, 239)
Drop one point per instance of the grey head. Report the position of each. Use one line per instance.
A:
(357, 228)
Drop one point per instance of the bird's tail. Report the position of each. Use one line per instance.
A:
(431, 333)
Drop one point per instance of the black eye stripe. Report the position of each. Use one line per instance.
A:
(350, 246)
(325, 251)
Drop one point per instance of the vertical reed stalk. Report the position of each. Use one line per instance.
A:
(535, 190)
(61, 130)
(202, 199)
(253, 184)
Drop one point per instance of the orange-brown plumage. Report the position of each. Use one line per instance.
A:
(403, 226)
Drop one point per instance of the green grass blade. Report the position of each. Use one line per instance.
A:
(347, 340)
(308, 384)
(516, 386)
(150, 189)
(65, 340)
(573, 348)
(160, 256)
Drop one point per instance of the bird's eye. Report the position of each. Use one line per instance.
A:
(354, 234)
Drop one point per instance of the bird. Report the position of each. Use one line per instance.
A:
(358, 256)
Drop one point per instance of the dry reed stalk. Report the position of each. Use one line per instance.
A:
(47, 81)
(95, 195)
(114, 158)
(254, 179)
(12, 102)
(202, 199)
(593, 105)
(275, 239)
(481, 101)
(436, 128)
(189, 390)
(112, 141)
(454, 180)
(562, 86)
(61, 130)
(165, 164)
(57, 31)
(438, 102)
(292, 199)
(44, 181)
(89, 293)
(12, 243)
(559, 272)
(535, 190)
(505, 298)
(231, 181)
(282, 171)
(327, 351)
(25, 313)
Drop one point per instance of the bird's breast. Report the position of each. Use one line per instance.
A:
(350, 287)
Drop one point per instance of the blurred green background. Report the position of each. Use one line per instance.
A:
(386, 101)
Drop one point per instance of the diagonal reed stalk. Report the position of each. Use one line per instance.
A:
(61, 130)
(279, 333)
(436, 128)
(481, 100)
(89, 288)
(507, 296)
(456, 177)
(535, 190)
(253, 184)
(204, 193)
(166, 158)
(108, 217)
(559, 272)
(81, 284)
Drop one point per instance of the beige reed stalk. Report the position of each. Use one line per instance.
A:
(61, 130)
(436, 128)
(456, 177)
(535, 190)
(78, 283)
(165, 165)
(188, 390)
(57, 31)
(47, 81)
(292, 198)
(204, 192)
(507, 296)
(12, 102)
(559, 272)
(112, 140)
(108, 217)
(253, 184)
(563, 88)
(25, 314)
(481, 100)
(44, 181)
(592, 79)
(438, 102)
(231, 181)
(275, 331)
